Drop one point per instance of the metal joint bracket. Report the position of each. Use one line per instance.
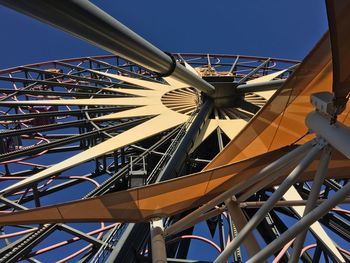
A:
(321, 142)
(157, 241)
(171, 69)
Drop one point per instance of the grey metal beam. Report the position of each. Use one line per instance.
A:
(336, 135)
(37, 236)
(337, 225)
(269, 170)
(23, 247)
(86, 21)
(234, 65)
(260, 214)
(321, 174)
(157, 241)
(51, 145)
(174, 165)
(64, 75)
(107, 66)
(177, 260)
(129, 239)
(47, 83)
(302, 224)
(262, 86)
(82, 235)
(246, 77)
(11, 246)
(62, 113)
(105, 186)
(123, 70)
(60, 93)
(42, 128)
(170, 170)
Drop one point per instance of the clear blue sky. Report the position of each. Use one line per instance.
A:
(275, 28)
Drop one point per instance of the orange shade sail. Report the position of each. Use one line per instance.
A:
(281, 121)
(164, 199)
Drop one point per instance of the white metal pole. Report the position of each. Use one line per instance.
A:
(261, 213)
(336, 134)
(239, 219)
(157, 241)
(302, 224)
(312, 200)
(266, 181)
(268, 170)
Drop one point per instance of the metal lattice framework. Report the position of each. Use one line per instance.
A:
(81, 138)
(34, 135)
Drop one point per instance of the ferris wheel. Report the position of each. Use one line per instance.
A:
(99, 154)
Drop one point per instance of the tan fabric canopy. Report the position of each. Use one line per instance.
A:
(281, 121)
(163, 199)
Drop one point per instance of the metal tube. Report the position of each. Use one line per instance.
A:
(268, 170)
(283, 203)
(239, 219)
(302, 224)
(321, 174)
(262, 86)
(261, 213)
(86, 21)
(206, 216)
(267, 181)
(174, 165)
(171, 170)
(158, 242)
(336, 134)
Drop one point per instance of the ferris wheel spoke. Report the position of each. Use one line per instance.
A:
(316, 228)
(127, 101)
(175, 83)
(44, 93)
(132, 113)
(35, 149)
(136, 92)
(48, 127)
(123, 69)
(138, 82)
(72, 76)
(62, 113)
(248, 106)
(151, 127)
(48, 83)
(267, 77)
(232, 127)
(208, 128)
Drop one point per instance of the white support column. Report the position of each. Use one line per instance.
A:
(267, 171)
(157, 241)
(301, 225)
(237, 216)
(312, 201)
(261, 213)
(336, 134)
(266, 181)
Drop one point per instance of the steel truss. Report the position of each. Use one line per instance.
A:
(73, 130)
